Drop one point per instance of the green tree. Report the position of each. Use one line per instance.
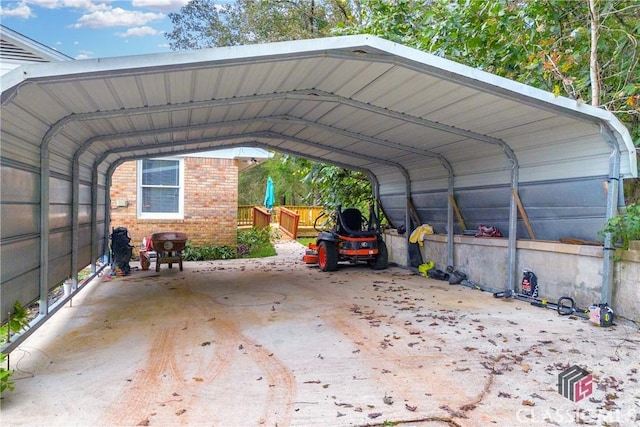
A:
(204, 23)
(587, 50)
(334, 186)
(287, 173)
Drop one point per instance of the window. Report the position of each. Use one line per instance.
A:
(160, 188)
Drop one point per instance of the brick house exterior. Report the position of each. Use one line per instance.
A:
(210, 203)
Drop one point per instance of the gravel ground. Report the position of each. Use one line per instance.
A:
(275, 342)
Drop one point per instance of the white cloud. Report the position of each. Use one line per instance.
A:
(139, 32)
(22, 10)
(77, 4)
(116, 17)
(47, 4)
(86, 5)
(84, 54)
(168, 5)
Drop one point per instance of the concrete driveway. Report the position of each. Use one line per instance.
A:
(274, 342)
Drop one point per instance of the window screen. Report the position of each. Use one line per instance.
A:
(160, 185)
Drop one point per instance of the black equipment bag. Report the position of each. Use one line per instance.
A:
(121, 250)
(530, 284)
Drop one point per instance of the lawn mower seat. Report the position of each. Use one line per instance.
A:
(350, 224)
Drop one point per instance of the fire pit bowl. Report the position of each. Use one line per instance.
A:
(169, 246)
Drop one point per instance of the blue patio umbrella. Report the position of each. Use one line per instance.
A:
(270, 194)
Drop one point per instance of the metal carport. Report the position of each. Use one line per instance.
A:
(428, 131)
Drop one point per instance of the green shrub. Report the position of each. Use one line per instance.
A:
(254, 236)
(207, 252)
(256, 242)
(252, 243)
(5, 375)
(18, 321)
(625, 226)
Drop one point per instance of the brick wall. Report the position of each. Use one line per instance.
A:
(210, 203)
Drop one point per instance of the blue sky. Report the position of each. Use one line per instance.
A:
(85, 29)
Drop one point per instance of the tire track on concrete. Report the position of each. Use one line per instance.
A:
(140, 399)
(281, 384)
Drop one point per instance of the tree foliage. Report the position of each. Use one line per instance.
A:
(204, 23)
(287, 173)
(543, 43)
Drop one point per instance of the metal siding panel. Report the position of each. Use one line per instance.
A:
(84, 214)
(20, 151)
(19, 220)
(60, 164)
(498, 177)
(59, 216)
(59, 271)
(85, 173)
(60, 245)
(85, 193)
(19, 257)
(17, 185)
(564, 170)
(19, 207)
(433, 184)
(59, 191)
(84, 257)
(23, 288)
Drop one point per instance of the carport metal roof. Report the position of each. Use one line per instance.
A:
(425, 129)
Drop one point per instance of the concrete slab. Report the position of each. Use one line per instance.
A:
(275, 342)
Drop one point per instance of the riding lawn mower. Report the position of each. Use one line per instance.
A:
(353, 238)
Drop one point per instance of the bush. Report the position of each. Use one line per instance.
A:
(19, 320)
(254, 236)
(5, 375)
(625, 226)
(255, 243)
(207, 252)
(252, 243)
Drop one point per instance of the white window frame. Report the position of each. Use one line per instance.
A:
(181, 189)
